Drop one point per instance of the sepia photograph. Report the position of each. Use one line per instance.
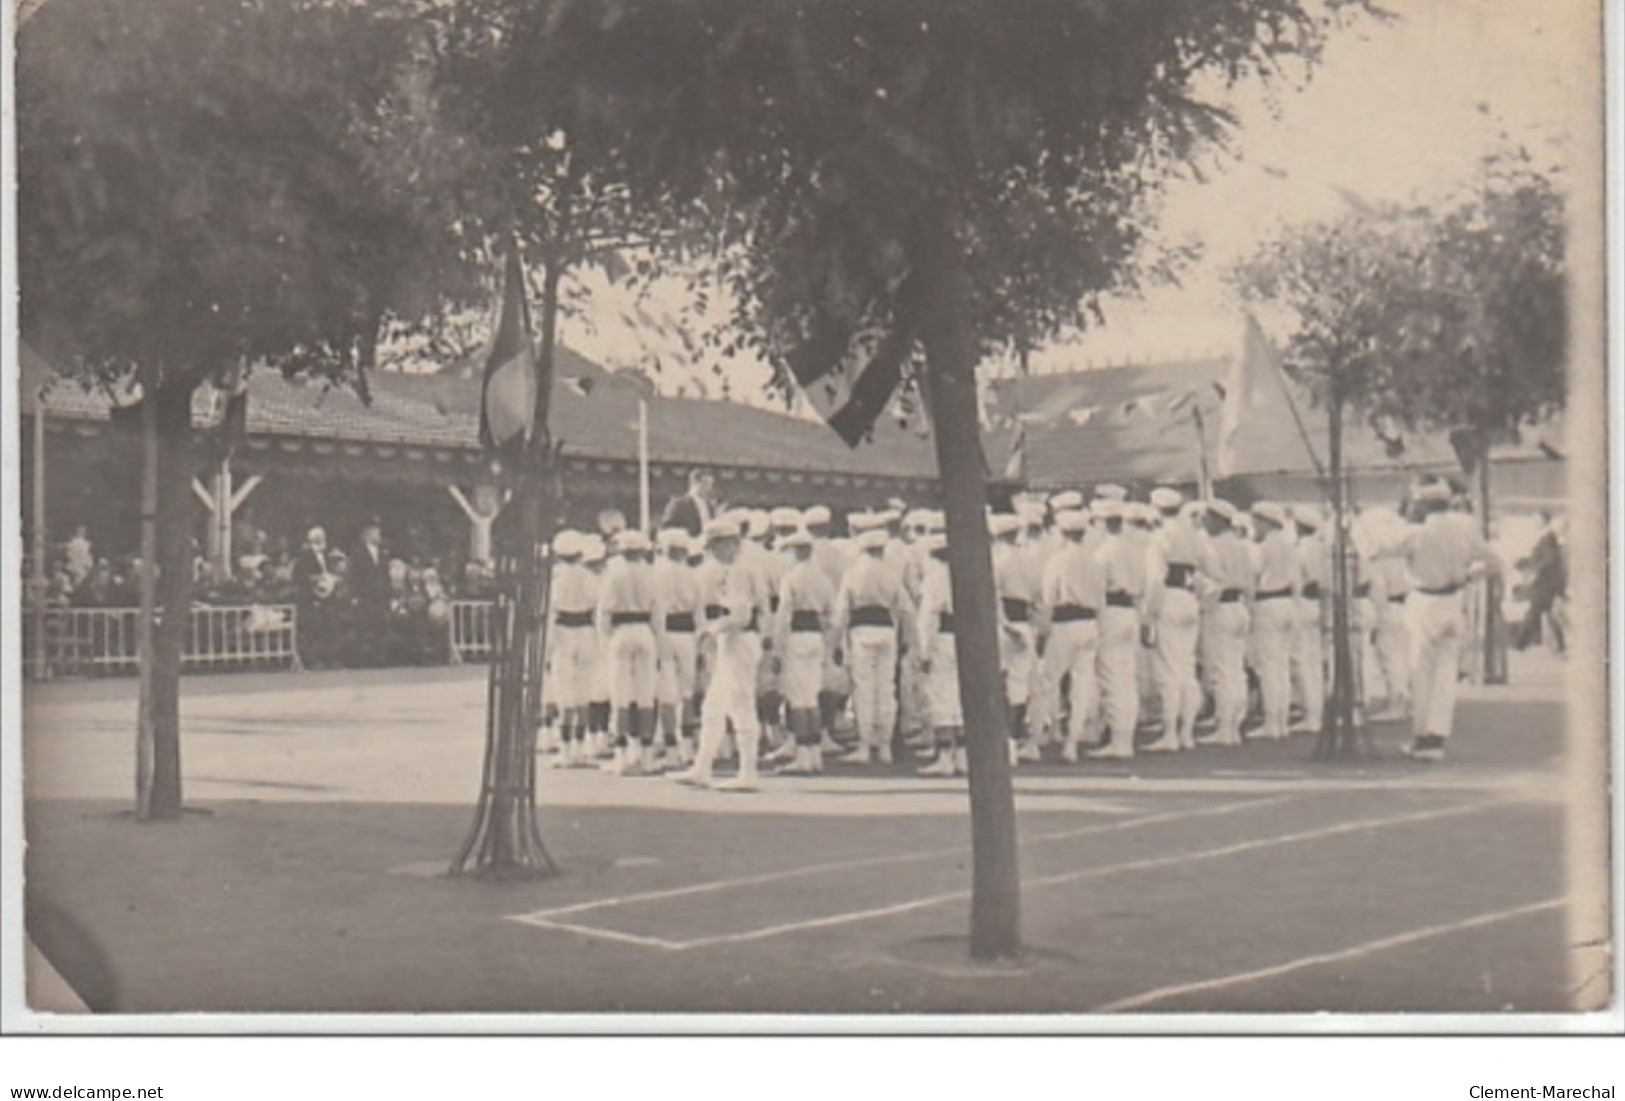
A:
(918, 516)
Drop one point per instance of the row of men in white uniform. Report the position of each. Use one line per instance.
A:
(681, 645)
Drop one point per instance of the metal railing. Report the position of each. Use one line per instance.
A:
(66, 642)
(470, 626)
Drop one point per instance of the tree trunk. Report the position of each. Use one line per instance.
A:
(170, 421)
(1340, 734)
(951, 355)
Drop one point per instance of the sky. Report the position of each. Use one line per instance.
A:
(1398, 110)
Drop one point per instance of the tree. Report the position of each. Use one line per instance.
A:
(911, 177)
(203, 185)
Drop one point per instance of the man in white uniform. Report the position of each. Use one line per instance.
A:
(1227, 579)
(1172, 609)
(1308, 651)
(1122, 570)
(734, 610)
(806, 600)
(678, 585)
(1275, 616)
(1442, 556)
(631, 619)
(1071, 594)
(1017, 591)
(939, 664)
(572, 643)
(870, 607)
(833, 556)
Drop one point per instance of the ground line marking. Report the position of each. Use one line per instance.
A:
(881, 861)
(542, 918)
(1398, 940)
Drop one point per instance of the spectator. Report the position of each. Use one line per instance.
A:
(372, 594)
(694, 509)
(78, 556)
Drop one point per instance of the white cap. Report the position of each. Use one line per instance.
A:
(730, 525)
(1108, 509)
(1192, 508)
(785, 517)
(1306, 515)
(888, 515)
(758, 523)
(1166, 498)
(933, 541)
(592, 548)
(872, 539)
(1066, 499)
(1030, 512)
(1433, 491)
(934, 520)
(913, 518)
(1003, 523)
(1139, 512)
(567, 543)
(1271, 512)
(1110, 492)
(1072, 521)
(815, 515)
(1223, 509)
(798, 538)
(630, 541)
(673, 539)
(857, 522)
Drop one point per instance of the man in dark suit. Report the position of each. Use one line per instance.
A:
(371, 592)
(693, 509)
(317, 596)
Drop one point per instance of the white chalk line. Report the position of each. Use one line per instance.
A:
(1370, 947)
(544, 919)
(808, 870)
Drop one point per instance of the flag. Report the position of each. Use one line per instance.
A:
(508, 393)
(1015, 467)
(849, 374)
(1252, 375)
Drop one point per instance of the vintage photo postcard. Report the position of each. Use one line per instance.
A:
(1081, 516)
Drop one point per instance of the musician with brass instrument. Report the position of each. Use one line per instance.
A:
(319, 600)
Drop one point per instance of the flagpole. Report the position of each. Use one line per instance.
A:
(1204, 480)
(643, 463)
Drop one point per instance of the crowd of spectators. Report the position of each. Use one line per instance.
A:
(392, 609)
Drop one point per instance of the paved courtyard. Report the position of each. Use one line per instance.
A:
(1251, 880)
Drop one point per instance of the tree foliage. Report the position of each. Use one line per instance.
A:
(203, 181)
(1438, 317)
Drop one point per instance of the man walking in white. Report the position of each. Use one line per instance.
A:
(1017, 591)
(678, 586)
(939, 660)
(733, 616)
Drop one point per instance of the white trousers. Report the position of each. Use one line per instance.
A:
(802, 674)
(1394, 649)
(1119, 669)
(1019, 655)
(872, 658)
(730, 697)
(1372, 685)
(1228, 632)
(1073, 648)
(1174, 664)
(1275, 624)
(631, 662)
(1435, 624)
(678, 679)
(941, 684)
(574, 665)
(1308, 658)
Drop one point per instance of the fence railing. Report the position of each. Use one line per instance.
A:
(470, 626)
(62, 642)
